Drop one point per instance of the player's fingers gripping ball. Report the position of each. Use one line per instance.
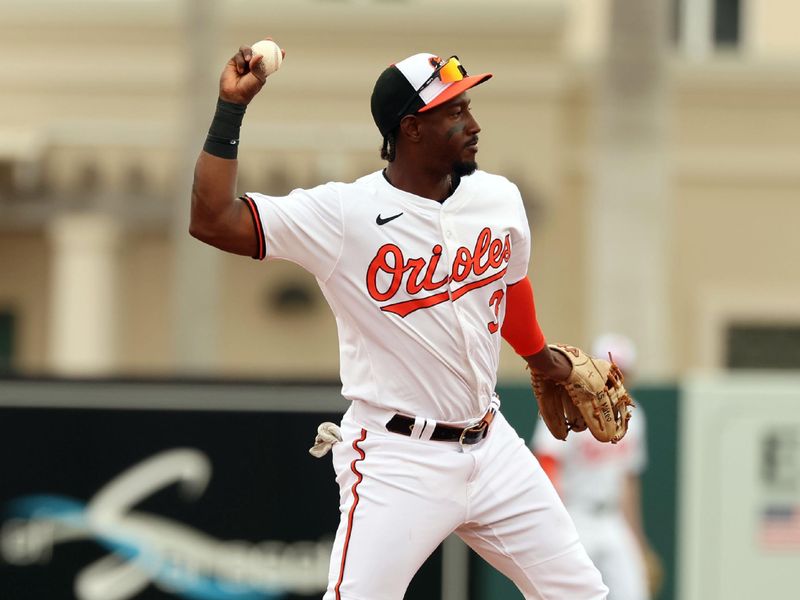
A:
(592, 397)
(272, 57)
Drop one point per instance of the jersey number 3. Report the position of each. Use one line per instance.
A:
(494, 302)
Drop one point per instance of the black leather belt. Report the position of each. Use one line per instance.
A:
(469, 435)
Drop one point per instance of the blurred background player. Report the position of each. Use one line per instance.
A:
(600, 486)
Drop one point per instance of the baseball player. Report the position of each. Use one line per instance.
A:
(599, 484)
(424, 264)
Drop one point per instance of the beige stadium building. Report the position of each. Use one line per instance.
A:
(657, 145)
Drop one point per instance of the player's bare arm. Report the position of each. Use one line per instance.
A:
(218, 218)
(550, 364)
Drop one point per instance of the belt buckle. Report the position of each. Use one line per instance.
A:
(477, 428)
(481, 426)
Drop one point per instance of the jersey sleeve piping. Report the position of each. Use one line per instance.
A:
(261, 253)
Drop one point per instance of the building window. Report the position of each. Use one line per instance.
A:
(675, 20)
(751, 346)
(6, 341)
(699, 27)
(726, 23)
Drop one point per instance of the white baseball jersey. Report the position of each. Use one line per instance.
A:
(417, 286)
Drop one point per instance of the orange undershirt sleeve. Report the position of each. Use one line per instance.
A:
(520, 327)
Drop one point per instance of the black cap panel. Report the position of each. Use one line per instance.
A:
(391, 92)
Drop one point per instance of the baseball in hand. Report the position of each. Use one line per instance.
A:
(272, 56)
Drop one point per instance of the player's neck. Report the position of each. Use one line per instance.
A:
(437, 187)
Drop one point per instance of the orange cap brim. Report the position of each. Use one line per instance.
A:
(459, 87)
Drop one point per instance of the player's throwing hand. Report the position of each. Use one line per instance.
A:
(241, 80)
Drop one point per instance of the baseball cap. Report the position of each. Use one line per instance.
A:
(416, 84)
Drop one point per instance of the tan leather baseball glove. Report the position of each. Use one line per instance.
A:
(592, 397)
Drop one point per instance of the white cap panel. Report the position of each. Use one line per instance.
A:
(416, 69)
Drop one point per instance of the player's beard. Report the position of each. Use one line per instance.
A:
(463, 168)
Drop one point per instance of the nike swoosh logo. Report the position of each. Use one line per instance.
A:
(381, 221)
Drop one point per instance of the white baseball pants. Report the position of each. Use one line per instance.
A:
(401, 497)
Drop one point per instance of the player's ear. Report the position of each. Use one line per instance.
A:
(410, 128)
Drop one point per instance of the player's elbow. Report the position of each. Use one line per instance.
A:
(198, 229)
(206, 232)
(223, 223)
(218, 229)
(196, 233)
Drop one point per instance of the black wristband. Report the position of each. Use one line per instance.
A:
(223, 135)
